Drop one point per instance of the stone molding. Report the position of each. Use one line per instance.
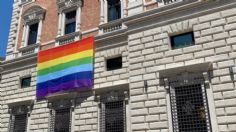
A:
(33, 14)
(68, 4)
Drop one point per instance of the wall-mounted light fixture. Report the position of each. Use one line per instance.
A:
(231, 73)
(145, 85)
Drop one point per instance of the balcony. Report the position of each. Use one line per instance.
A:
(30, 49)
(68, 38)
(111, 26)
(166, 2)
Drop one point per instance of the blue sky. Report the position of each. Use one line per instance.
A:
(5, 19)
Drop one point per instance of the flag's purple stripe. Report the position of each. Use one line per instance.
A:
(67, 78)
(67, 86)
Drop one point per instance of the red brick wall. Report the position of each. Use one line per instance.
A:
(90, 17)
(50, 23)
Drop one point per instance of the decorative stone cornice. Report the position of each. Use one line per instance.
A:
(68, 4)
(33, 14)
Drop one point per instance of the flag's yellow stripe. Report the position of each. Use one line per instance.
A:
(65, 59)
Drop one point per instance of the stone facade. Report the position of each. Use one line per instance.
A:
(149, 65)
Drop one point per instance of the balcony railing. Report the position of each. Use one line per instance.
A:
(166, 2)
(68, 38)
(30, 49)
(111, 26)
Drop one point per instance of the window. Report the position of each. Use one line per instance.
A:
(113, 117)
(114, 63)
(25, 82)
(70, 22)
(18, 121)
(60, 116)
(62, 120)
(33, 33)
(182, 40)
(189, 108)
(114, 10)
(33, 22)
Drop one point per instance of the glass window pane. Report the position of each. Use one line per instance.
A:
(70, 28)
(25, 82)
(114, 10)
(182, 40)
(33, 32)
(70, 15)
(70, 22)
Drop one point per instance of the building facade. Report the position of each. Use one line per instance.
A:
(159, 66)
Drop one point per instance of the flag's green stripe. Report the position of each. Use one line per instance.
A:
(64, 66)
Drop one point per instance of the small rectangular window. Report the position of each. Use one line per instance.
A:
(114, 10)
(182, 40)
(70, 22)
(189, 108)
(25, 82)
(114, 63)
(33, 33)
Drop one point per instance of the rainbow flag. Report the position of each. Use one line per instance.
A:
(65, 68)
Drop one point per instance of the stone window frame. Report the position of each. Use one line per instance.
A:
(187, 78)
(65, 6)
(179, 34)
(33, 15)
(14, 108)
(113, 53)
(67, 100)
(113, 95)
(24, 76)
(104, 11)
(112, 57)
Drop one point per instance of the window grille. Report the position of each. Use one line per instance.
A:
(189, 108)
(113, 117)
(60, 118)
(18, 121)
(113, 111)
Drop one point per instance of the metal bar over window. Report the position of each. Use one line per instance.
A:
(113, 113)
(189, 108)
(60, 118)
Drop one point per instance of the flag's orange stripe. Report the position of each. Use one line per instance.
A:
(67, 51)
(63, 47)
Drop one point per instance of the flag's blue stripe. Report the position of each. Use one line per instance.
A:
(64, 79)
(64, 72)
